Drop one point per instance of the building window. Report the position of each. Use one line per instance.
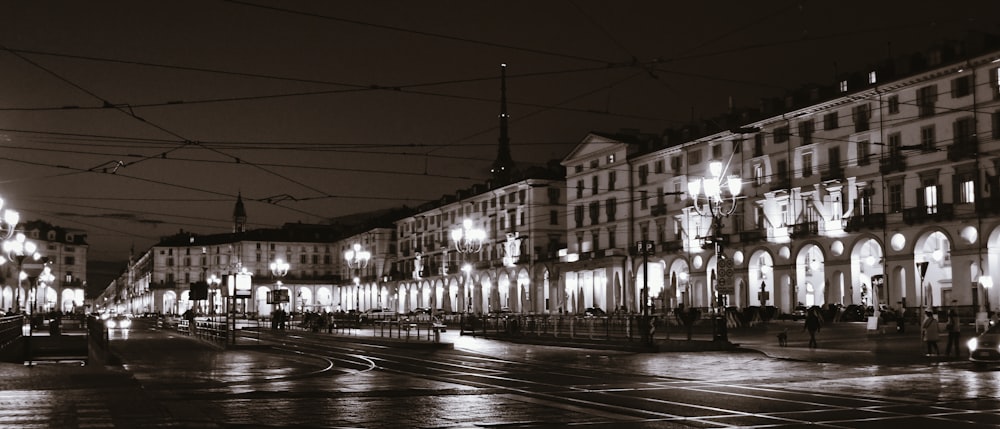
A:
(658, 166)
(831, 121)
(643, 173)
(578, 168)
(595, 213)
(781, 134)
(758, 145)
(806, 129)
(553, 199)
(643, 200)
(865, 201)
(70, 260)
(610, 207)
(965, 132)
(594, 182)
(927, 138)
(967, 191)
(758, 174)
(927, 196)
(872, 77)
(861, 117)
(961, 86)
(579, 189)
(843, 86)
(553, 217)
(926, 97)
(611, 180)
(738, 146)
(612, 239)
(807, 164)
(594, 163)
(694, 157)
(578, 216)
(996, 125)
(895, 143)
(717, 151)
(864, 152)
(611, 159)
(893, 104)
(596, 239)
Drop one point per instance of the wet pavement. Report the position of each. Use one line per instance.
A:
(169, 379)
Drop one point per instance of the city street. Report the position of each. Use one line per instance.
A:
(319, 380)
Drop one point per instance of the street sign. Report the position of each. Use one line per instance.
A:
(725, 282)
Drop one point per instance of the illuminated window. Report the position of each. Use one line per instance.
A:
(872, 77)
(967, 192)
(843, 86)
(611, 159)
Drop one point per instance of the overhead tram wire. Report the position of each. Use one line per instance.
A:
(420, 33)
(158, 127)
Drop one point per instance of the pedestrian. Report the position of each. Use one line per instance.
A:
(954, 329)
(929, 332)
(812, 325)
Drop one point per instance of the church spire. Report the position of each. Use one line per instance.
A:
(239, 215)
(503, 166)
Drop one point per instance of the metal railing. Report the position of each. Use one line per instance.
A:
(607, 328)
(11, 328)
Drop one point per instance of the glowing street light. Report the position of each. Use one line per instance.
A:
(468, 239)
(357, 259)
(18, 249)
(716, 196)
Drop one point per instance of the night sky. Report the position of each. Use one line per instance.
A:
(135, 120)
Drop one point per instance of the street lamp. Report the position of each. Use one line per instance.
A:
(279, 269)
(467, 240)
(716, 196)
(18, 249)
(357, 259)
(987, 283)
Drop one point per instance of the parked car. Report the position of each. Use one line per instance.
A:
(799, 313)
(372, 315)
(595, 312)
(985, 348)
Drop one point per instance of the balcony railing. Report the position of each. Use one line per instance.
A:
(805, 229)
(865, 221)
(752, 236)
(893, 163)
(921, 214)
(672, 246)
(988, 206)
(963, 150)
(833, 174)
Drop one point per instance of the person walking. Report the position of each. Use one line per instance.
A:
(812, 325)
(954, 329)
(929, 332)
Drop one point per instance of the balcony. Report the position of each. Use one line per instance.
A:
(672, 246)
(966, 149)
(752, 236)
(895, 162)
(781, 183)
(988, 206)
(866, 221)
(805, 229)
(833, 174)
(921, 214)
(658, 209)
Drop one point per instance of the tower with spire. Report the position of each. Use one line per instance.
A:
(503, 169)
(239, 215)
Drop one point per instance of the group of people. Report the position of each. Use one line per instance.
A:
(930, 332)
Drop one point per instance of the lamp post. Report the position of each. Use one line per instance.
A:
(357, 259)
(987, 283)
(279, 269)
(17, 250)
(468, 240)
(716, 196)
